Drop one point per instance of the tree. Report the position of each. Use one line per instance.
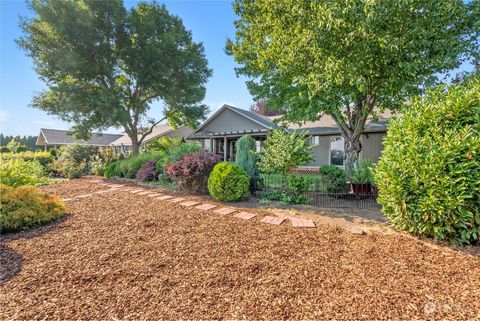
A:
(104, 65)
(246, 156)
(349, 59)
(284, 150)
(260, 107)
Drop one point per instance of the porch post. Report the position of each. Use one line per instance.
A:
(45, 147)
(225, 147)
(211, 145)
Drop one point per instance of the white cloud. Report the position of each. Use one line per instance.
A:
(3, 116)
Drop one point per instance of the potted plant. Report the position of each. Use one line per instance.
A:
(362, 177)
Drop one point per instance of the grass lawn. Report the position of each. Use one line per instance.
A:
(119, 255)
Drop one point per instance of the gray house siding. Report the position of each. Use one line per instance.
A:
(372, 146)
(320, 152)
(230, 121)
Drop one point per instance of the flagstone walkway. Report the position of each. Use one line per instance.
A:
(195, 205)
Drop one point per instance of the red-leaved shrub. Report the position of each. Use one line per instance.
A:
(191, 172)
(148, 171)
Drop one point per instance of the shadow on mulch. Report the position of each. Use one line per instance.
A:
(10, 263)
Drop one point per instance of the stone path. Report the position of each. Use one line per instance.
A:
(273, 220)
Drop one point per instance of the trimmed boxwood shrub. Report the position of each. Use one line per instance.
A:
(228, 182)
(429, 173)
(191, 172)
(148, 172)
(26, 207)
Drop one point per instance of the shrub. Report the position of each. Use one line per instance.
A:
(74, 160)
(246, 156)
(191, 172)
(44, 158)
(148, 171)
(100, 161)
(53, 152)
(4, 149)
(334, 178)
(112, 170)
(228, 182)
(17, 171)
(282, 151)
(164, 144)
(129, 167)
(297, 185)
(362, 172)
(26, 207)
(428, 174)
(21, 149)
(175, 153)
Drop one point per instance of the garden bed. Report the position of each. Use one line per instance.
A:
(120, 255)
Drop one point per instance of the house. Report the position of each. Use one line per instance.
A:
(121, 143)
(219, 133)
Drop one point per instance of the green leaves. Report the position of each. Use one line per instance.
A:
(284, 150)
(104, 65)
(429, 172)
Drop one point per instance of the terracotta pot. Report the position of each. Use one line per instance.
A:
(361, 188)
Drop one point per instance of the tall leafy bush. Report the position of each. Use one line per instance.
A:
(334, 178)
(191, 172)
(74, 160)
(17, 172)
(148, 171)
(228, 182)
(246, 156)
(429, 173)
(284, 150)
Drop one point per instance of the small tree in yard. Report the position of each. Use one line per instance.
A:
(246, 156)
(105, 65)
(349, 59)
(284, 150)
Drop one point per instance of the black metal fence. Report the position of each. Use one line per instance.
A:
(317, 192)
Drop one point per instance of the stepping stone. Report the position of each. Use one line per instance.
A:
(144, 193)
(355, 230)
(83, 196)
(189, 203)
(206, 207)
(154, 194)
(299, 222)
(136, 191)
(224, 210)
(165, 197)
(245, 215)
(272, 220)
(66, 199)
(177, 200)
(97, 181)
(101, 192)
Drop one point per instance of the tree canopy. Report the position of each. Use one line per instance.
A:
(349, 59)
(104, 65)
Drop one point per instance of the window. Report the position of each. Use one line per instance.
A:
(206, 144)
(337, 150)
(314, 140)
(258, 145)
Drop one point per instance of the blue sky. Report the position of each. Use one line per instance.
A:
(211, 22)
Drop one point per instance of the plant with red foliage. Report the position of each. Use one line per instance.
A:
(191, 172)
(148, 171)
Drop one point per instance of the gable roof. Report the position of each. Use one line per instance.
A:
(62, 137)
(157, 131)
(261, 120)
(324, 126)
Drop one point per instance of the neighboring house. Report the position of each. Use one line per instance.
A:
(55, 138)
(219, 133)
(121, 143)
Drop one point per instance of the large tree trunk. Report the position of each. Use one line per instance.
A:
(353, 147)
(135, 143)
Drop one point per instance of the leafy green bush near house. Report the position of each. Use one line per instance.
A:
(362, 172)
(228, 182)
(334, 178)
(282, 151)
(4, 149)
(74, 160)
(16, 171)
(429, 173)
(26, 207)
(175, 152)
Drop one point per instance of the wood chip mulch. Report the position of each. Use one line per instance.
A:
(123, 256)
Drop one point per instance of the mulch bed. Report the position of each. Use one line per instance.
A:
(122, 256)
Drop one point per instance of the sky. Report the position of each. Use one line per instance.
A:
(211, 23)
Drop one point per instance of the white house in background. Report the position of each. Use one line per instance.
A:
(121, 143)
